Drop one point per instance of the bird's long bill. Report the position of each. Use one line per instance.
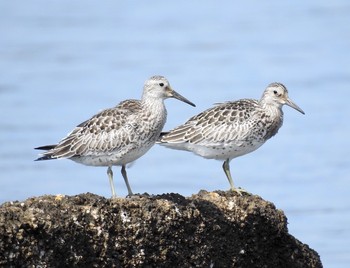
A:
(176, 95)
(290, 103)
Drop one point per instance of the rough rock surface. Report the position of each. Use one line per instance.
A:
(209, 229)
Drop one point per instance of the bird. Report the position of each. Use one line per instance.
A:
(119, 135)
(232, 129)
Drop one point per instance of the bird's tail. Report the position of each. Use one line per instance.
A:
(162, 134)
(45, 147)
(47, 155)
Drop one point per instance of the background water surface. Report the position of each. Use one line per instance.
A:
(63, 61)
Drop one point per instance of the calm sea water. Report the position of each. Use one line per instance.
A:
(63, 61)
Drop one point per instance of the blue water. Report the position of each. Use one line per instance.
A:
(63, 61)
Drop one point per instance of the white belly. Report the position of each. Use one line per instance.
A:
(219, 152)
(127, 155)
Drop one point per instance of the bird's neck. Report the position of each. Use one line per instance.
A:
(273, 115)
(152, 103)
(154, 109)
(272, 109)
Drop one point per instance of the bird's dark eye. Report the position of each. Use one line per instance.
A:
(161, 84)
(275, 92)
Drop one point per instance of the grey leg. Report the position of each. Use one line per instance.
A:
(226, 167)
(110, 176)
(126, 180)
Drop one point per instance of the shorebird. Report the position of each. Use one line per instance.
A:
(119, 135)
(232, 129)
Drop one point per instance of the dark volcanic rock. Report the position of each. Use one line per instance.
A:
(210, 229)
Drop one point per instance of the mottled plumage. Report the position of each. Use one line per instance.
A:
(119, 135)
(232, 129)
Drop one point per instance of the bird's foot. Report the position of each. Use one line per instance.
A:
(137, 196)
(240, 191)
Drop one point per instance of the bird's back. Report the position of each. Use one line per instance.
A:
(227, 130)
(103, 133)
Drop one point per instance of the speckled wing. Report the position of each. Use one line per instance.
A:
(224, 123)
(105, 132)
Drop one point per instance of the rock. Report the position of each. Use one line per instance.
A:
(209, 229)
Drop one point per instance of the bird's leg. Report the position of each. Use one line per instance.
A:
(226, 167)
(126, 180)
(110, 176)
